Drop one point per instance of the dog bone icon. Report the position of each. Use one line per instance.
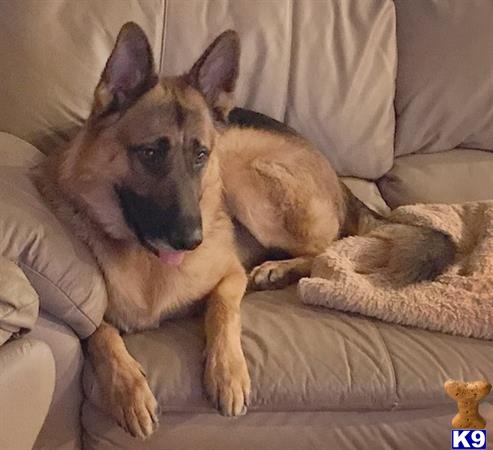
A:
(468, 395)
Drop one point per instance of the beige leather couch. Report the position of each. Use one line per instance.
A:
(399, 96)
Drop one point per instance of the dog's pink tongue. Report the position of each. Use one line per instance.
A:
(171, 258)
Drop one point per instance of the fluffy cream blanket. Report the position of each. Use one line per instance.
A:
(355, 274)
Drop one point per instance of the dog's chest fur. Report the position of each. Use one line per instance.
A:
(142, 291)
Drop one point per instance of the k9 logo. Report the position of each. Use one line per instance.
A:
(468, 439)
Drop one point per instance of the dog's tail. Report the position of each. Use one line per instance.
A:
(416, 253)
(359, 219)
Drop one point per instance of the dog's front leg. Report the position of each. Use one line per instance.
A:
(126, 394)
(226, 374)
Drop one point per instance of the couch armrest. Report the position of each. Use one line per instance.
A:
(18, 301)
(27, 380)
(58, 265)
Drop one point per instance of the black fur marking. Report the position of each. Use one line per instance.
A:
(179, 115)
(150, 221)
(142, 214)
(246, 118)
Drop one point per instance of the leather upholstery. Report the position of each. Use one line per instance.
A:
(53, 53)
(445, 79)
(303, 359)
(459, 175)
(417, 429)
(27, 379)
(18, 301)
(61, 429)
(59, 267)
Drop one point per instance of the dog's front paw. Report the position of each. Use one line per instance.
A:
(227, 382)
(131, 401)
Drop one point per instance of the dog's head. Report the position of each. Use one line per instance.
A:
(139, 164)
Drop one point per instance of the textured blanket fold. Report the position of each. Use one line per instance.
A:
(354, 273)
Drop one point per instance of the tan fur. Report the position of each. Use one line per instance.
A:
(285, 193)
(281, 189)
(226, 375)
(125, 391)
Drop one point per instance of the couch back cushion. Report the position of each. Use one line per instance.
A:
(327, 68)
(444, 95)
(52, 54)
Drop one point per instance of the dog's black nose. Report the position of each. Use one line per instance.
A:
(193, 239)
(187, 238)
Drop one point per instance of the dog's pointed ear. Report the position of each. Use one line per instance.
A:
(129, 71)
(216, 71)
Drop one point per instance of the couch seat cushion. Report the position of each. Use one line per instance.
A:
(456, 176)
(304, 358)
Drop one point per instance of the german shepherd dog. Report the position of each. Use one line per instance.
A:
(176, 193)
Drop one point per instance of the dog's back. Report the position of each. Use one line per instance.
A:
(284, 192)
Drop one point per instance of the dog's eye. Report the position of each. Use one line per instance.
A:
(152, 154)
(201, 156)
(149, 155)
